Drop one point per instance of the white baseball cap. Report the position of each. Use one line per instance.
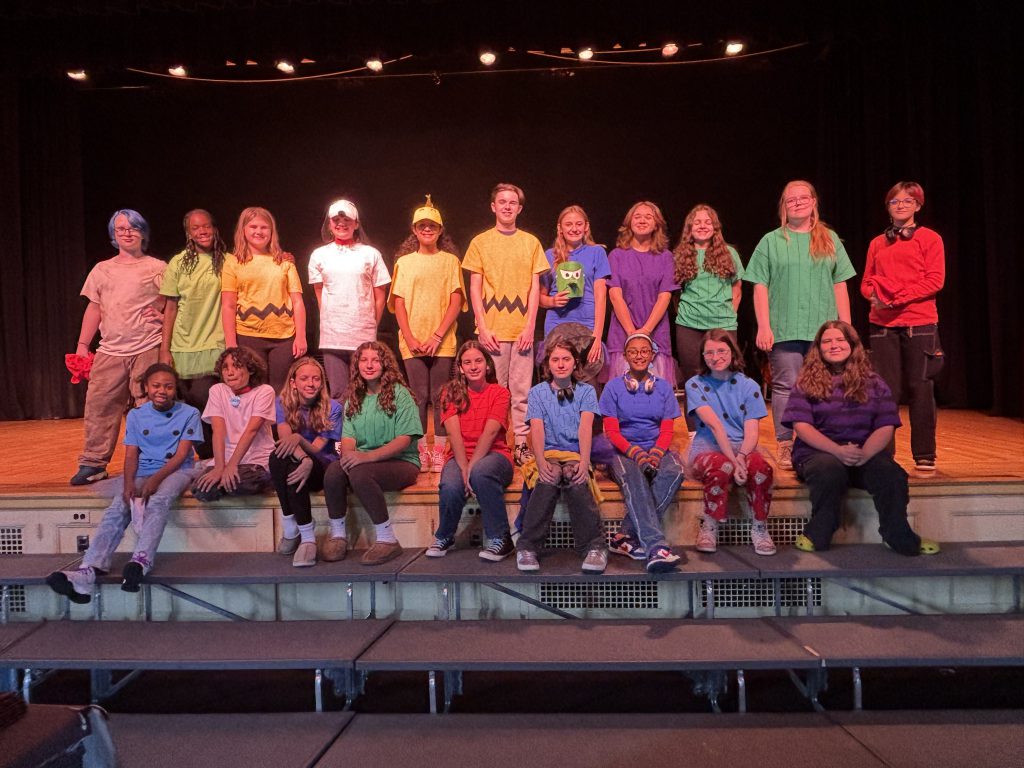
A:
(343, 207)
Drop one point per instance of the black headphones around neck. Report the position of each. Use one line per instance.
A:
(894, 233)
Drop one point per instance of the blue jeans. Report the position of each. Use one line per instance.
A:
(646, 501)
(786, 358)
(119, 515)
(489, 478)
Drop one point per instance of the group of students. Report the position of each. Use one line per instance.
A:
(226, 331)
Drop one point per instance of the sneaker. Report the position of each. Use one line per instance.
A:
(596, 560)
(334, 549)
(803, 543)
(498, 549)
(75, 585)
(440, 547)
(522, 454)
(707, 537)
(784, 456)
(305, 555)
(426, 459)
(527, 561)
(437, 460)
(87, 474)
(131, 576)
(381, 552)
(929, 547)
(662, 560)
(621, 544)
(924, 465)
(761, 539)
(288, 546)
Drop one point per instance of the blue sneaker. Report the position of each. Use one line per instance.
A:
(662, 560)
(621, 544)
(440, 547)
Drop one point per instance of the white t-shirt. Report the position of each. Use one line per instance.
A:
(236, 410)
(349, 274)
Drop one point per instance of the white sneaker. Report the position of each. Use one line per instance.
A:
(527, 561)
(596, 560)
(707, 537)
(784, 455)
(761, 539)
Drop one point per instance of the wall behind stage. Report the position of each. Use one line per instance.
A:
(728, 133)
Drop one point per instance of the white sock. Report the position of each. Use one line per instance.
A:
(291, 528)
(337, 527)
(385, 533)
(308, 533)
(440, 443)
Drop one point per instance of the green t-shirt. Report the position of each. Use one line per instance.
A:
(801, 295)
(371, 427)
(198, 336)
(706, 301)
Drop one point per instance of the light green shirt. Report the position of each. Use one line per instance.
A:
(371, 427)
(706, 301)
(198, 335)
(801, 293)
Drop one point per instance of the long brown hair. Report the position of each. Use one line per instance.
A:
(242, 250)
(455, 392)
(319, 410)
(559, 246)
(717, 259)
(822, 246)
(722, 337)
(815, 377)
(390, 378)
(659, 238)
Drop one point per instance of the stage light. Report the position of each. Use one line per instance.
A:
(586, 54)
(374, 65)
(669, 50)
(733, 47)
(286, 66)
(177, 71)
(487, 58)
(78, 75)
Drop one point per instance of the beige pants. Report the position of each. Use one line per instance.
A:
(114, 387)
(514, 370)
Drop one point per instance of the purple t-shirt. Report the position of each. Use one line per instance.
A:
(641, 276)
(839, 419)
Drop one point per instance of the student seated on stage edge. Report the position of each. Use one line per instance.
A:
(308, 429)
(241, 411)
(639, 410)
(159, 436)
(378, 451)
(728, 408)
(844, 417)
(561, 415)
(124, 305)
(505, 265)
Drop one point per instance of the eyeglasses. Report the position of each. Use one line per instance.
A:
(907, 201)
(799, 200)
(719, 353)
(639, 352)
(126, 230)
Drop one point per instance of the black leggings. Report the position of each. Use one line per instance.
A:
(296, 502)
(426, 377)
(369, 481)
(276, 353)
(196, 392)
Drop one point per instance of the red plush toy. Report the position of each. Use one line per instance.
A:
(79, 366)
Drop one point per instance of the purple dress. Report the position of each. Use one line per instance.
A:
(641, 277)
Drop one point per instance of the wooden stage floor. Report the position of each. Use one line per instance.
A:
(39, 457)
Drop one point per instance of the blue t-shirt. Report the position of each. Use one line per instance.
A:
(329, 452)
(581, 309)
(734, 400)
(639, 413)
(561, 419)
(157, 434)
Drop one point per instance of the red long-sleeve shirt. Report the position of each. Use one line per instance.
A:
(905, 275)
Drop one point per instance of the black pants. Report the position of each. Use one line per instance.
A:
(196, 392)
(583, 512)
(426, 377)
(276, 353)
(295, 502)
(828, 479)
(252, 479)
(910, 358)
(368, 481)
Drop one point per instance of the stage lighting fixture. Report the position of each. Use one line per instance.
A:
(286, 66)
(669, 50)
(586, 54)
(78, 75)
(487, 58)
(177, 71)
(733, 47)
(374, 65)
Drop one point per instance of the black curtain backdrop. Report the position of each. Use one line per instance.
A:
(853, 114)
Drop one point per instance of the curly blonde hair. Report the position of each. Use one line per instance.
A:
(319, 410)
(815, 377)
(390, 378)
(822, 245)
(717, 259)
(659, 238)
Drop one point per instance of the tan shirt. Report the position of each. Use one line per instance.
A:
(124, 290)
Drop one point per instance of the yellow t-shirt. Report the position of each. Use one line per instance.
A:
(264, 300)
(507, 264)
(426, 282)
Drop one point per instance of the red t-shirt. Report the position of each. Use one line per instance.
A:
(905, 274)
(492, 403)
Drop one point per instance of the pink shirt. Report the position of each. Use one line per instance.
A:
(124, 290)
